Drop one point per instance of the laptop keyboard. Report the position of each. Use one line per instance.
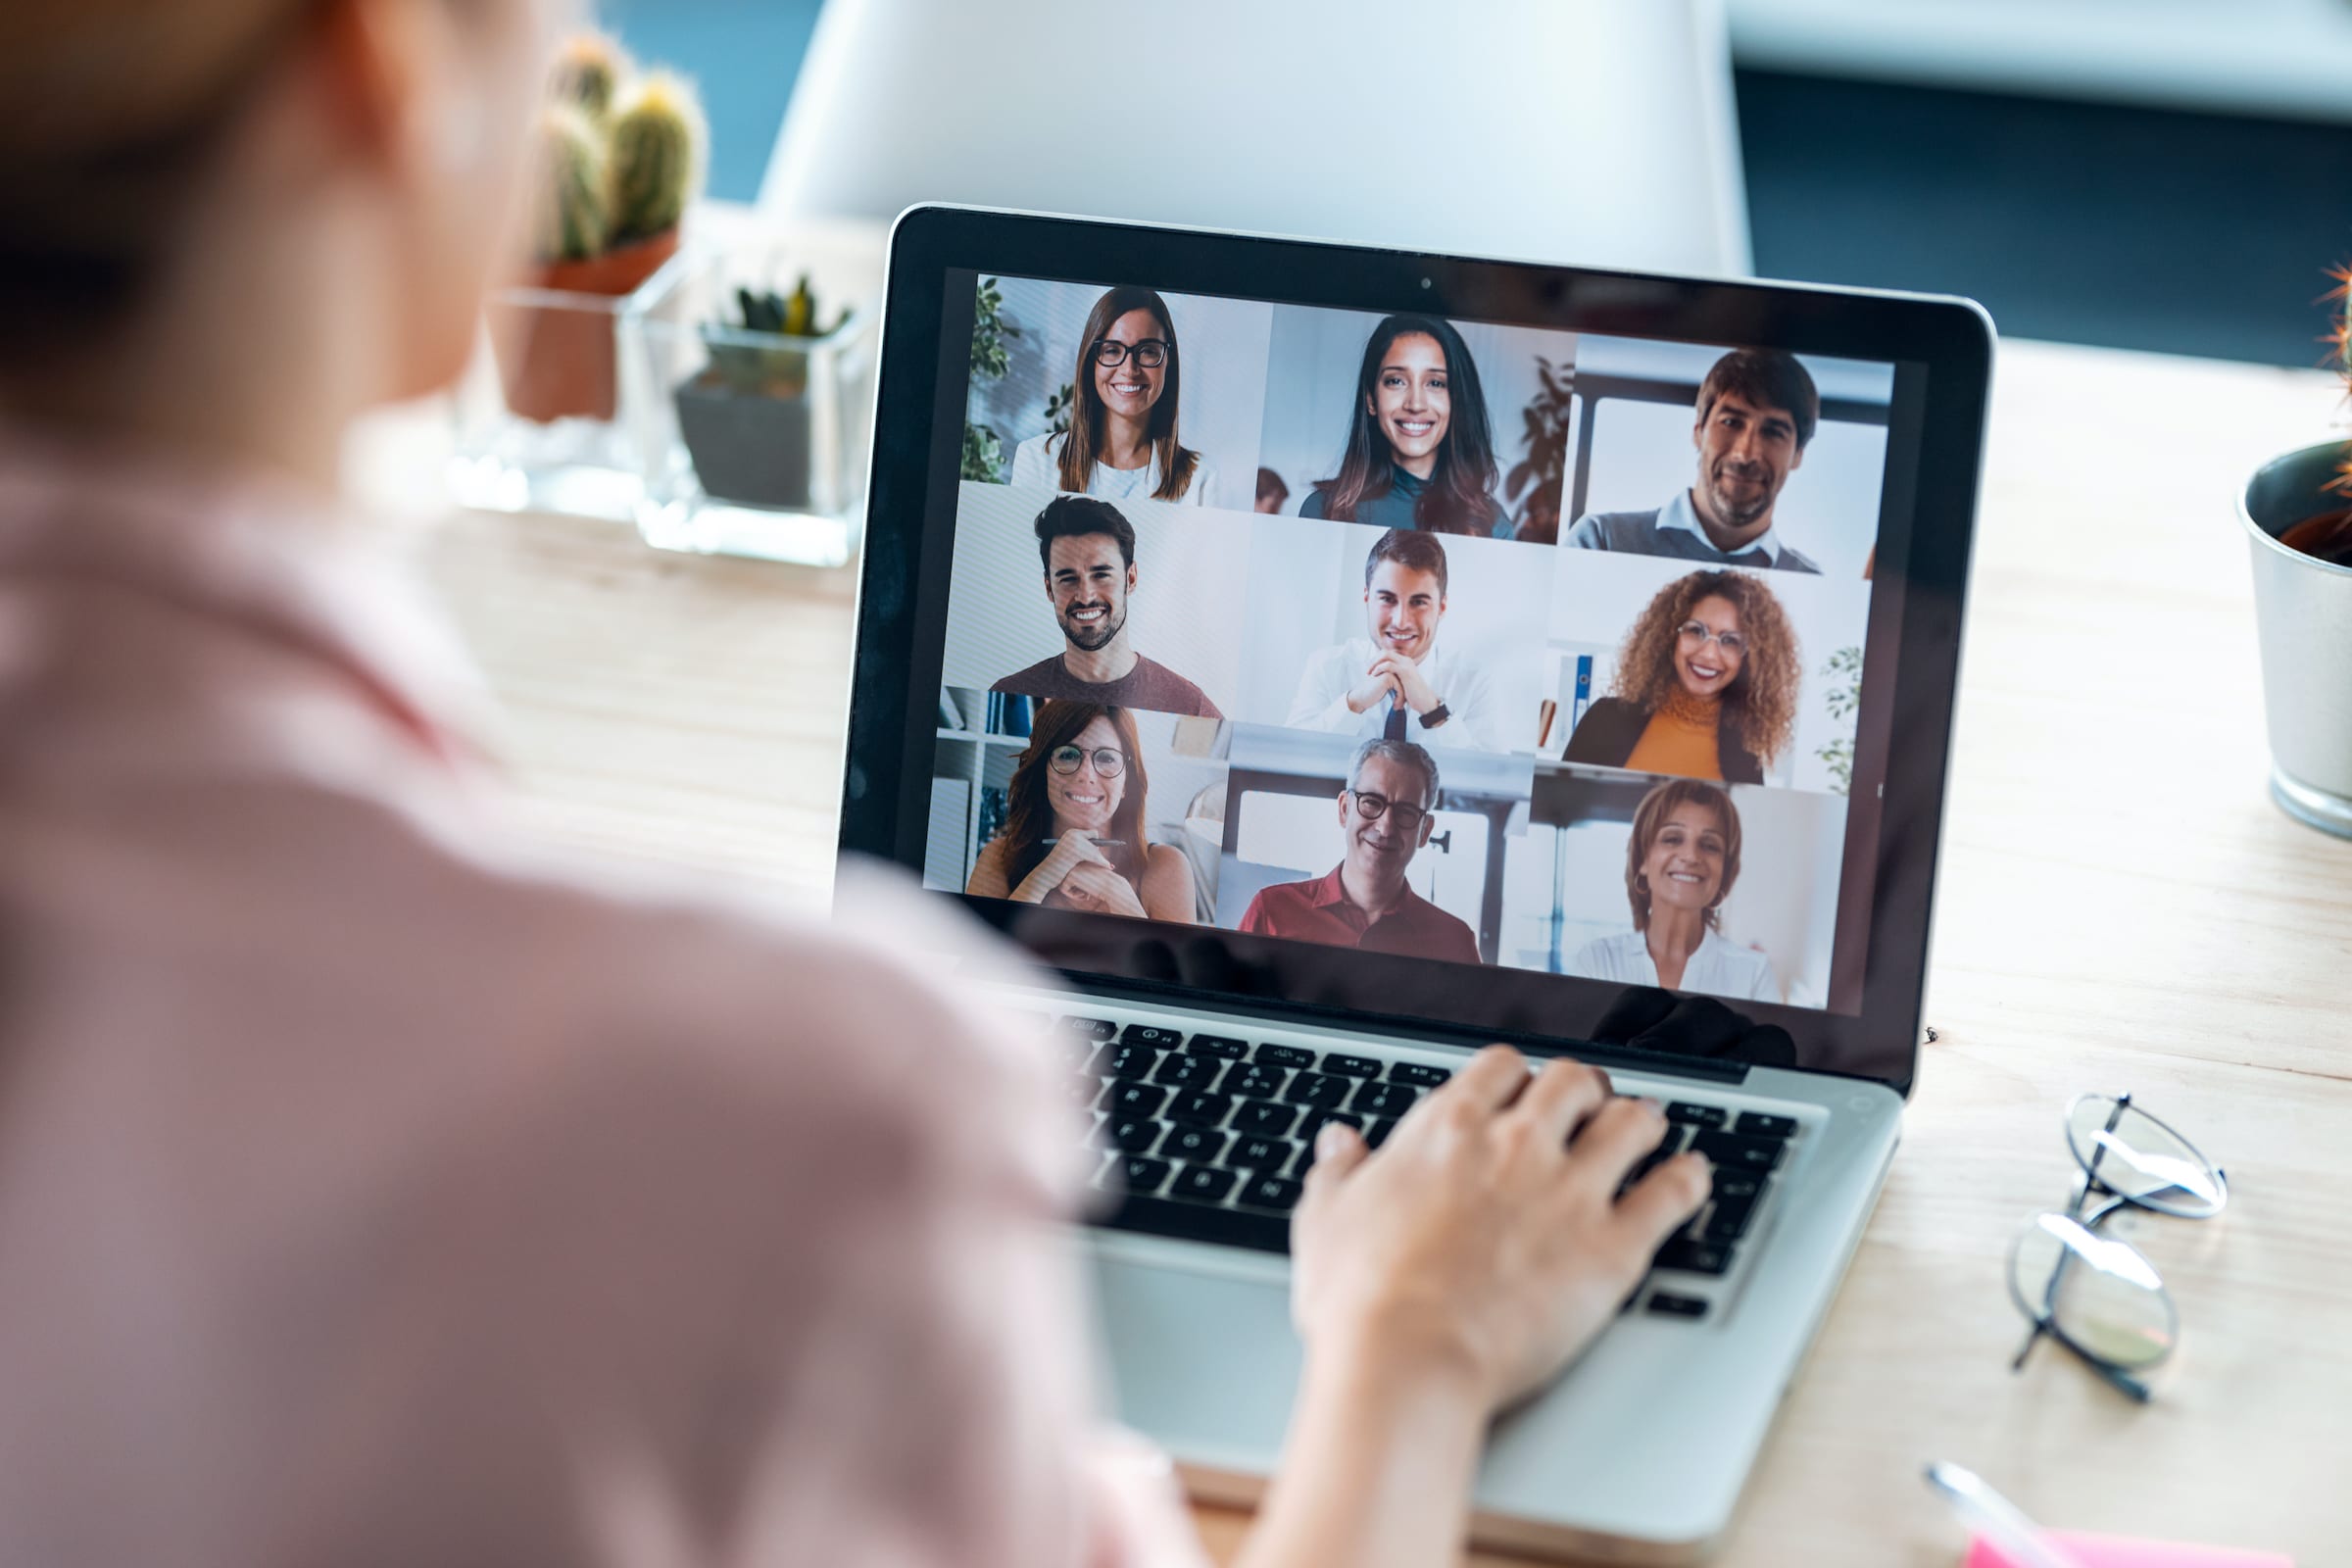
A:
(1208, 1137)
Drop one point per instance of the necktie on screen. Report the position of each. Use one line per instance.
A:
(1394, 729)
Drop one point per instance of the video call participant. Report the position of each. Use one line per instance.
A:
(1272, 493)
(1757, 411)
(1420, 453)
(1706, 685)
(1088, 552)
(1394, 682)
(1074, 823)
(1364, 902)
(1681, 863)
(1121, 443)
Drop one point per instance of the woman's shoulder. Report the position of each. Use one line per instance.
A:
(1037, 459)
(1312, 506)
(1602, 959)
(1608, 732)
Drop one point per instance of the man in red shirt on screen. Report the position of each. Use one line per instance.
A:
(1385, 814)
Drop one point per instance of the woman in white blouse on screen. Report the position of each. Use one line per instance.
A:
(1681, 863)
(1121, 444)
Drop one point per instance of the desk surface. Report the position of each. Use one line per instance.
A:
(2122, 909)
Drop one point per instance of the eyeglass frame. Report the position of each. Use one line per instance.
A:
(1166, 347)
(1732, 642)
(2044, 1321)
(1421, 813)
(1086, 754)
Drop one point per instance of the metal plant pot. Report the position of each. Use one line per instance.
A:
(2303, 614)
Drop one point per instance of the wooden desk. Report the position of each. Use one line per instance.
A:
(2122, 909)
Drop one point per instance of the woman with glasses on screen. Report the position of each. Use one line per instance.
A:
(1125, 391)
(1706, 685)
(1682, 859)
(1420, 453)
(358, 1147)
(1074, 823)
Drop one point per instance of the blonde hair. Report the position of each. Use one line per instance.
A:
(115, 108)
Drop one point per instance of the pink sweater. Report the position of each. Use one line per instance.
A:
(377, 1188)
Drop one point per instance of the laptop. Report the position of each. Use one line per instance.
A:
(1326, 661)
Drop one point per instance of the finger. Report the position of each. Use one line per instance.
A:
(1494, 1078)
(1662, 1201)
(1339, 1150)
(1562, 1095)
(1614, 1140)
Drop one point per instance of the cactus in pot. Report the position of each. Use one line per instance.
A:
(619, 160)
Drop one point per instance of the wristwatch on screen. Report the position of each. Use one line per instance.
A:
(1436, 717)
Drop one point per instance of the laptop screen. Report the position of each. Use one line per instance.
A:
(1484, 652)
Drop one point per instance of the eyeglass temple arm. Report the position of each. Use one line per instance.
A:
(2073, 1210)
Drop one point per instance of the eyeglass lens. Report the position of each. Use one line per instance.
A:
(1373, 807)
(1730, 641)
(1150, 352)
(1107, 762)
(2142, 1160)
(2097, 1293)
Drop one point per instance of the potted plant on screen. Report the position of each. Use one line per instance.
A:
(2297, 513)
(619, 158)
(1539, 481)
(746, 417)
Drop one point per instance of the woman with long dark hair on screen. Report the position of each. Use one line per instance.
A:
(1707, 684)
(359, 1148)
(1074, 823)
(1125, 390)
(1682, 861)
(1420, 450)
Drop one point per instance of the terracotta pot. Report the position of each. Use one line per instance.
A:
(559, 362)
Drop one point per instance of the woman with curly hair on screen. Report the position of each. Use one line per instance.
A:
(1706, 685)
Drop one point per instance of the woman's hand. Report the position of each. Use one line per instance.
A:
(1482, 1245)
(1070, 851)
(1098, 890)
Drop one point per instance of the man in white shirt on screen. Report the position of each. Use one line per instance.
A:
(1394, 683)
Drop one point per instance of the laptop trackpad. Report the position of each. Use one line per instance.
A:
(1199, 1355)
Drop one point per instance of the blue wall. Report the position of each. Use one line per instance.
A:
(744, 54)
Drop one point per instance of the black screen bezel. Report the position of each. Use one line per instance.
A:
(1925, 548)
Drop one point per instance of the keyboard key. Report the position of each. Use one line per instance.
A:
(1181, 1071)
(1195, 1144)
(1694, 1257)
(1683, 1111)
(1130, 1134)
(1152, 1035)
(1731, 1150)
(1350, 1066)
(1314, 1120)
(1662, 1304)
(1261, 1154)
(1376, 1132)
(1124, 1060)
(1285, 1057)
(1199, 1222)
(1317, 1089)
(1141, 1174)
(1135, 1100)
(1206, 1184)
(1729, 1220)
(1756, 1124)
(1384, 1099)
(1265, 1119)
(1415, 1073)
(1095, 1028)
(1199, 1109)
(1250, 1081)
(1731, 1185)
(1276, 1193)
(1225, 1046)
(1668, 1146)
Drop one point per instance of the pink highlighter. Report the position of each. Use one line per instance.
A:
(2004, 1537)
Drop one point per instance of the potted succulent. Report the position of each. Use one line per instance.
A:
(2299, 525)
(746, 415)
(619, 158)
